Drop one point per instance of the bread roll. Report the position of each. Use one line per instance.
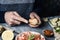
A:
(33, 21)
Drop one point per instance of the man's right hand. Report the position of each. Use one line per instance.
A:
(13, 18)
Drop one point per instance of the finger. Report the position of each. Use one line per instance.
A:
(31, 15)
(15, 13)
(9, 23)
(20, 19)
(16, 22)
(23, 20)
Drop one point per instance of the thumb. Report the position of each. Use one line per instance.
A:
(32, 15)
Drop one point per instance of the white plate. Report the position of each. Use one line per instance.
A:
(31, 32)
(57, 35)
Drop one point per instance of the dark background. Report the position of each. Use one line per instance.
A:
(48, 7)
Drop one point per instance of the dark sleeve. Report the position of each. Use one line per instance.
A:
(46, 8)
(2, 16)
(37, 7)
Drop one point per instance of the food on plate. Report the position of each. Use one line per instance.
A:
(59, 18)
(1, 29)
(30, 36)
(58, 22)
(33, 22)
(45, 19)
(7, 35)
(57, 29)
(48, 32)
(55, 23)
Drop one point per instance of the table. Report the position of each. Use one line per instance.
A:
(25, 27)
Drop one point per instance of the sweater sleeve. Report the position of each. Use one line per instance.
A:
(2, 16)
(37, 7)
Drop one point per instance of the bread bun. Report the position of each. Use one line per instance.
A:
(33, 21)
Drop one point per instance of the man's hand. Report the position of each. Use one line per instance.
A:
(34, 15)
(13, 18)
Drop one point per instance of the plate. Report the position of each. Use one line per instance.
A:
(32, 33)
(57, 35)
